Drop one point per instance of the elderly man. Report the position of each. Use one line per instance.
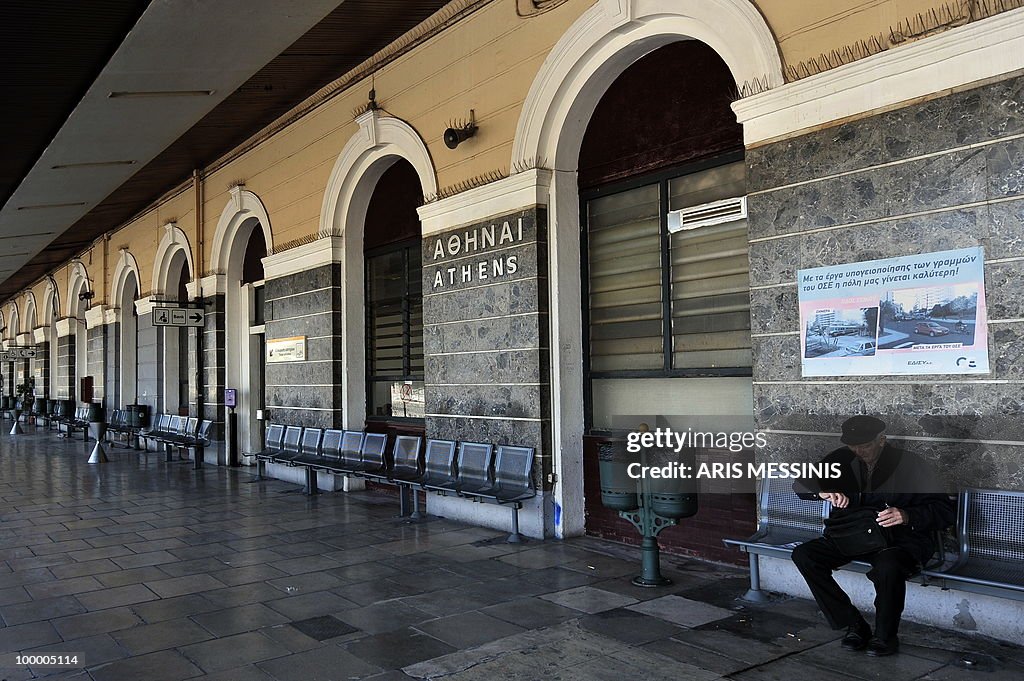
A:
(908, 501)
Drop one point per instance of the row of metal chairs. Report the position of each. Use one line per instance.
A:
(70, 421)
(502, 475)
(181, 432)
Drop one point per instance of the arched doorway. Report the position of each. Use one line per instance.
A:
(127, 389)
(394, 303)
(175, 364)
(600, 45)
(666, 313)
(244, 329)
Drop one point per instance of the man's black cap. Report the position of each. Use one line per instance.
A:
(860, 429)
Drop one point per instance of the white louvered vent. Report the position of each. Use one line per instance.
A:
(713, 213)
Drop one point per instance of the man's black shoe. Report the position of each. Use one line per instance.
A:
(879, 648)
(857, 636)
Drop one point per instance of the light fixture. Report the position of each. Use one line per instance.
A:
(119, 94)
(86, 295)
(41, 206)
(457, 133)
(92, 164)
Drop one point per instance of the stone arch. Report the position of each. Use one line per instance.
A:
(173, 242)
(380, 142)
(78, 282)
(609, 37)
(596, 49)
(31, 317)
(243, 205)
(126, 266)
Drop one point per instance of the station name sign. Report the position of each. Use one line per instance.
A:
(451, 256)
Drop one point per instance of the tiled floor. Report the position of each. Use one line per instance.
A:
(153, 571)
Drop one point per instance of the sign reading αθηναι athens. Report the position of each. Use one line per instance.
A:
(475, 255)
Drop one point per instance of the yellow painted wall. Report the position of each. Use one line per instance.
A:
(486, 62)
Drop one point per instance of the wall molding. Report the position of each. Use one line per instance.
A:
(144, 305)
(41, 334)
(65, 326)
(522, 190)
(323, 251)
(95, 316)
(979, 51)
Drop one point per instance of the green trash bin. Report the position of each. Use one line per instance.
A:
(618, 490)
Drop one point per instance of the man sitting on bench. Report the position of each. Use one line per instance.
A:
(887, 506)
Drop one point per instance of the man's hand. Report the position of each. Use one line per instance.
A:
(837, 499)
(891, 517)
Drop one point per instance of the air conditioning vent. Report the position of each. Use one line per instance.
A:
(714, 213)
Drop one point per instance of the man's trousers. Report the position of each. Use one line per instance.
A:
(890, 569)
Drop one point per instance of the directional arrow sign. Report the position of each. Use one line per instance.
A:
(179, 316)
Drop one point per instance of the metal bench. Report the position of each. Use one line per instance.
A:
(783, 521)
(161, 427)
(274, 442)
(990, 529)
(510, 484)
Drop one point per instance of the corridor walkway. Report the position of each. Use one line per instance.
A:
(151, 570)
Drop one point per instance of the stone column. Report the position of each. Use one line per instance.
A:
(485, 315)
(149, 358)
(41, 363)
(96, 351)
(65, 368)
(304, 299)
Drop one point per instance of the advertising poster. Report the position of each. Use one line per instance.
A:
(918, 314)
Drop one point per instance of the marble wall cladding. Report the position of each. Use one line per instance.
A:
(96, 361)
(149, 371)
(485, 334)
(213, 340)
(970, 117)
(112, 373)
(937, 175)
(65, 369)
(306, 304)
(41, 369)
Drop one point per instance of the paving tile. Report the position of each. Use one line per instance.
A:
(240, 619)
(134, 576)
(245, 673)
(468, 629)
(234, 651)
(531, 613)
(308, 605)
(25, 636)
(39, 610)
(398, 649)
(89, 567)
(16, 594)
(247, 574)
(322, 663)
(173, 608)
(104, 621)
(144, 559)
(243, 594)
(150, 638)
(92, 651)
(180, 586)
(383, 617)
(628, 626)
(167, 665)
(310, 581)
(681, 611)
(588, 599)
(117, 596)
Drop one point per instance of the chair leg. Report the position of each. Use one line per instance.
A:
(515, 537)
(260, 463)
(416, 513)
(200, 454)
(403, 501)
(754, 593)
(311, 486)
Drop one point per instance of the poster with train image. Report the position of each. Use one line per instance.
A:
(918, 314)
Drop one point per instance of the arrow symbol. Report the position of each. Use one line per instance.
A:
(196, 316)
